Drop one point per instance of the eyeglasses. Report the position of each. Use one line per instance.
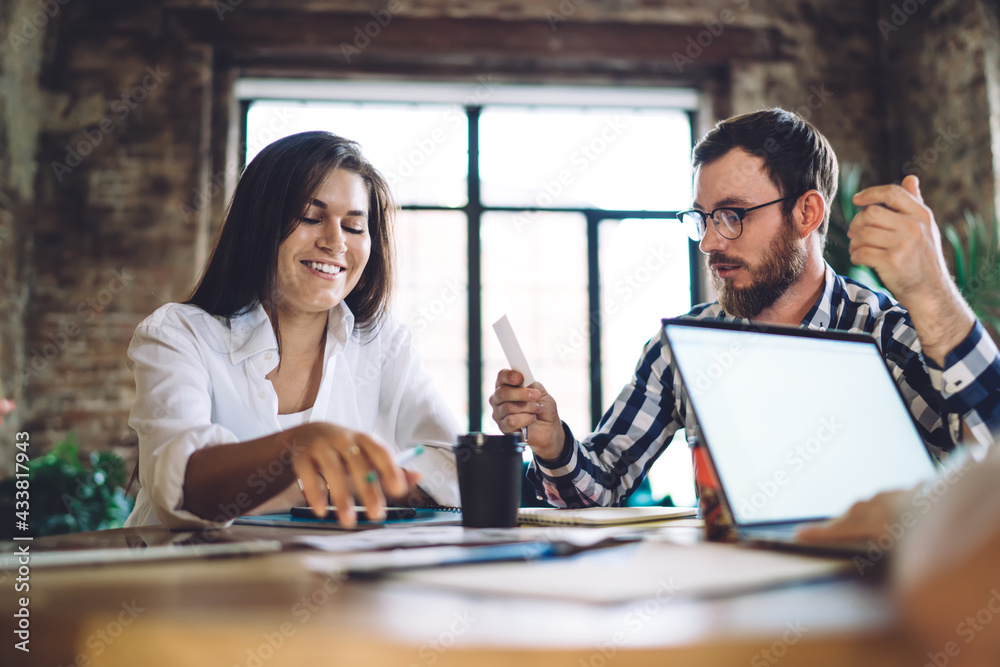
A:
(728, 220)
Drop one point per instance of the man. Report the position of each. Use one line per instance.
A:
(763, 187)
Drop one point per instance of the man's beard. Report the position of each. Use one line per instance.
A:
(781, 266)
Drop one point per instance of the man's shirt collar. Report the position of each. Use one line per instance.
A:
(822, 312)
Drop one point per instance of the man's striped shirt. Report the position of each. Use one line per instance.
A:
(608, 465)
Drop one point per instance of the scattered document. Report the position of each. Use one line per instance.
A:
(436, 536)
(122, 556)
(372, 562)
(637, 571)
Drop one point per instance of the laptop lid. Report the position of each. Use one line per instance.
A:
(799, 424)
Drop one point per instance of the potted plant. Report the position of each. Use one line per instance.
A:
(69, 495)
(837, 252)
(976, 263)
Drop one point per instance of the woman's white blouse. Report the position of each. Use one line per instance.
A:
(200, 383)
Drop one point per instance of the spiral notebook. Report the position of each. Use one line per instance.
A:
(591, 516)
(601, 516)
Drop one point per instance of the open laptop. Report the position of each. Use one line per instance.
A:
(800, 424)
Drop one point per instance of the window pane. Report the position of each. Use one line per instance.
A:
(622, 159)
(432, 288)
(421, 149)
(534, 269)
(672, 474)
(645, 276)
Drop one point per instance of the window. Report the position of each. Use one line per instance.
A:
(551, 205)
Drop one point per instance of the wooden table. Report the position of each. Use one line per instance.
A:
(268, 610)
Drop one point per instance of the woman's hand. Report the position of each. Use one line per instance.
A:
(347, 463)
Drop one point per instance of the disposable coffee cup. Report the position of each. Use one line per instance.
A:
(489, 479)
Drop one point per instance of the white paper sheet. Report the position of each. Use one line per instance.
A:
(659, 569)
(512, 349)
(433, 536)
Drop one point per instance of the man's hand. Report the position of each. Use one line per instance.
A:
(896, 235)
(516, 407)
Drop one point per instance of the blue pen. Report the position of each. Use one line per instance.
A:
(409, 455)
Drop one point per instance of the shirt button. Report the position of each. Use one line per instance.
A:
(268, 356)
(260, 395)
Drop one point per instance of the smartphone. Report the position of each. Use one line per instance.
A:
(391, 513)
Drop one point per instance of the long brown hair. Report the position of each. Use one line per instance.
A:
(271, 195)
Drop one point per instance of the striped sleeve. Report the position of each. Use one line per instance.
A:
(608, 465)
(970, 384)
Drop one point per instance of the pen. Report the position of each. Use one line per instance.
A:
(437, 444)
(409, 455)
(405, 457)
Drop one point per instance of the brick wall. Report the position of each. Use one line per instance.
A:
(118, 148)
(943, 93)
(119, 116)
(20, 103)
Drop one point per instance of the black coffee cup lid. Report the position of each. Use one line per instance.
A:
(505, 442)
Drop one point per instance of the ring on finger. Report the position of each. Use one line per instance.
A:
(353, 450)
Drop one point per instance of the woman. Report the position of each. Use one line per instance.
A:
(265, 385)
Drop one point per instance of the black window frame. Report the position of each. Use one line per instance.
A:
(474, 209)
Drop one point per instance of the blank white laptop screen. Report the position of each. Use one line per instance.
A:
(798, 427)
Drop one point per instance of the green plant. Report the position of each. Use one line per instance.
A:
(977, 267)
(843, 210)
(68, 495)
